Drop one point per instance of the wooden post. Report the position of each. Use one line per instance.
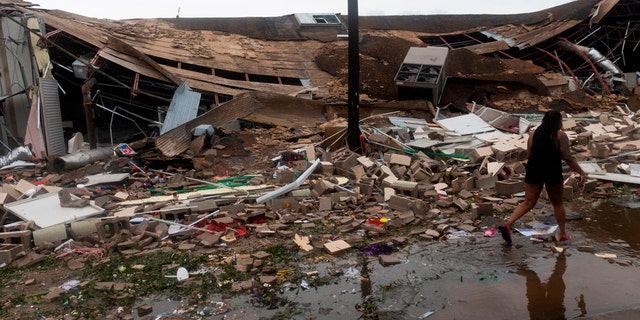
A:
(88, 110)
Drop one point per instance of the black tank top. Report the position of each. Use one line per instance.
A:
(545, 161)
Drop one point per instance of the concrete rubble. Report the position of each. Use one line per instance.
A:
(415, 183)
(225, 137)
(460, 184)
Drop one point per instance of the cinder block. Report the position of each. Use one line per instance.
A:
(327, 168)
(415, 166)
(504, 152)
(399, 170)
(590, 185)
(144, 310)
(481, 210)
(409, 188)
(388, 181)
(346, 161)
(400, 202)
(567, 193)
(17, 237)
(486, 182)
(463, 183)
(509, 187)
(480, 153)
(610, 167)
(8, 252)
(388, 259)
(366, 162)
(323, 187)
(336, 246)
(176, 213)
(358, 171)
(421, 175)
(383, 172)
(325, 204)
(285, 176)
(366, 186)
(400, 159)
(584, 138)
(517, 167)
(108, 228)
(599, 150)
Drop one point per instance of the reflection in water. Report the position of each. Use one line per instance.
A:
(609, 221)
(365, 281)
(368, 306)
(546, 300)
(582, 306)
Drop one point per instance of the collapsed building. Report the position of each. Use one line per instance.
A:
(163, 104)
(117, 81)
(170, 109)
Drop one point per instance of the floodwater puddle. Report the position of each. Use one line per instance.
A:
(476, 277)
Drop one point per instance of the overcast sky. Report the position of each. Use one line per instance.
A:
(121, 9)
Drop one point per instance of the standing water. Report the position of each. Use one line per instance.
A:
(477, 277)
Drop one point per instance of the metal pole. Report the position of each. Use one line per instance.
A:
(353, 136)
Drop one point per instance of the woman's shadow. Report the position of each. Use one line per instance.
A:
(546, 300)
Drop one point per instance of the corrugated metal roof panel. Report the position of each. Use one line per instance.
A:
(183, 107)
(54, 136)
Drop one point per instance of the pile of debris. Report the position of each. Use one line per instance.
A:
(432, 181)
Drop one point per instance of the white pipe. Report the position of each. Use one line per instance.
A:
(178, 224)
(290, 186)
(192, 224)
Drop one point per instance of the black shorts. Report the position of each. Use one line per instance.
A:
(543, 175)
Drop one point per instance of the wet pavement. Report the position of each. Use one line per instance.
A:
(471, 277)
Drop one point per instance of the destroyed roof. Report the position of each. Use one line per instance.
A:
(283, 111)
(229, 56)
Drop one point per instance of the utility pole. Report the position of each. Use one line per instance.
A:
(353, 129)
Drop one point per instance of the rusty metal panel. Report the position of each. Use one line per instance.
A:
(54, 136)
(289, 111)
(520, 37)
(183, 107)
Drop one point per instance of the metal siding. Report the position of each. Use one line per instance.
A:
(183, 108)
(18, 73)
(54, 136)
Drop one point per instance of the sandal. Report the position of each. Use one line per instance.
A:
(566, 237)
(505, 231)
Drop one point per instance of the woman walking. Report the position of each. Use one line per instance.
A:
(547, 146)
